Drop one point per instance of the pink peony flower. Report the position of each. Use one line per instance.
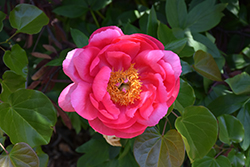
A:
(121, 83)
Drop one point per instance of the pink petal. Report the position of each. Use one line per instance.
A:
(64, 99)
(174, 93)
(160, 110)
(83, 61)
(156, 81)
(173, 59)
(69, 67)
(148, 61)
(151, 40)
(98, 126)
(118, 60)
(100, 83)
(110, 106)
(81, 101)
(104, 36)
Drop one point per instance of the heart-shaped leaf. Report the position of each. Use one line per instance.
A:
(221, 161)
(28, 19)
(231, 129)
(21, 155)
(186, 96)
(240, 83)
(237, 159)
(205, 64)
(16, 60)
(199, 128)
(28, 117)
(244, 117)
(153, 149)
(10, 83)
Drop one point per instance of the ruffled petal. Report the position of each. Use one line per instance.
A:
(173, 59)
(104, 36)
(69, 67)
(118, 60)
(64, 99)
(100, 83)
(83, 61)
(160, 110)
(174, 93)
(81, 101)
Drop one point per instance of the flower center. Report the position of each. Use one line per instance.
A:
(124, 87)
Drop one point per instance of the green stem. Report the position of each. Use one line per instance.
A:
(174, 113)
(7, 40)
(93, 15)
(99, 13)
(4, 149)
(2, 49)
(164, 128)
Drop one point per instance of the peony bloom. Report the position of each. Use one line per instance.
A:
(121, 83)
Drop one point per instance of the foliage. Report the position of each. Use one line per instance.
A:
(209, 121)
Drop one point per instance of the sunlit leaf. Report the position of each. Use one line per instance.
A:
(205, 65)
(237, 159)
(240, 83)
(186, 96)
(21, 155)
(28, 18)
(199, 128)
(220, 105)
(244, 117)
(2, 17)
(16, 60)
(153, 149)
(79, 38)
(221, 161)
(231, 129)
(28, 117)
(10, 83)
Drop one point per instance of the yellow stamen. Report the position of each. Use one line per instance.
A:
(124, 87)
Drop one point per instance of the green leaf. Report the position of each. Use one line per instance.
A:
(21, 155)
(43, 158)
(176, 45)
(186, 68)
(93, 156)
(199, 129)
(165, 34)
(239, 83)
(80, 39)
(186, 96)
(208, 46)
(97, 5)
(2, 17)
(28, 19)
(220, 105)
(244, 117)
(153, 149)
(28, 117)
(205, 65)
(152, 25)
(221, 161)
(204, 16)
(66, 10)
(10, 83)
(237, 159)
(16, 60)
(231, 129)
(176, 13)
